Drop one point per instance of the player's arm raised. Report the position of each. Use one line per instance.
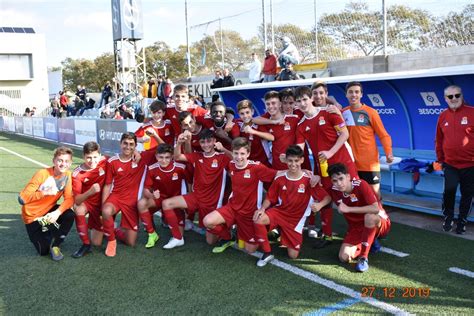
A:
(178, 154)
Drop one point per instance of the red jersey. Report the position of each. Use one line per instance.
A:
(294, 195)
(285, 135)
(126, 176)
(320, 132)
(247, 186)
(173, 115)
(362, 194)
(166, 133)
(207, 122)
(209, 175)
(82, 181)
(259, 149)
(170, 181)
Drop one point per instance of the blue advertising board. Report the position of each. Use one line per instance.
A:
(66, 132)
(51, 128)
(109, 133)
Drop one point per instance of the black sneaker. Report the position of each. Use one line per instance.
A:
(461, 227)
(84, 250)
(324, 241)
(448, 223)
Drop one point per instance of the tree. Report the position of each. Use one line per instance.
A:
(77, 72)
(455, 29)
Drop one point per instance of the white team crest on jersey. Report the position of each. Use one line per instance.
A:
(119, 169)
(175, 177)
(247, 174)
(301, 188)
(86, 180)
(134, 165)
(464, 120)
(101, 172)
(214, 164)
(287, 127)
(353, 197)
(167, 132)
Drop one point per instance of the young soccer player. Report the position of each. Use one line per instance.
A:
(209, 174)
(158, 130)
(191, 130)
(217, 121)
(247, 179)
(87, 182)
(46, 222)
(367, 220)
(288, 102)
(125, 173)
(164, 179)
(290, 195)
(326, 135)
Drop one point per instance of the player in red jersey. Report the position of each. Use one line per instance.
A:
(254, 133)
(326, 135)
(288, 103)
(291, 195)
(209, 184)
(158, 130)
(87, 182)
(357, 201)
(247, 179)
(191, 130)
(164, 179)
(126, 174)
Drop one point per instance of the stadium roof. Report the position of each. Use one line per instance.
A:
(9, 29)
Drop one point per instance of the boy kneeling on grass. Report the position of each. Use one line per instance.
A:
(48, 223)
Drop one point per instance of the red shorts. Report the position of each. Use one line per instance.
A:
(129, 212)
(291, 230)
(354, 235)
(95, 219)
(245, 228)
(193, 202)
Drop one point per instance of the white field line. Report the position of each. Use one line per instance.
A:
(462, 271)
(297, 271)
(394, 252)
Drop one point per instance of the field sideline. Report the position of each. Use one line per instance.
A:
(192, 280)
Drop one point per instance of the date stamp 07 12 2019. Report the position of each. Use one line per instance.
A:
(393, 292)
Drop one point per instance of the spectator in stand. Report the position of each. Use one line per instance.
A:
(289, 54)
(63, 103)
(269, 70)
(27, 112)
(106, 112)
(55, 108)
(288, 73)
(81, 92)
(455, 150)
(33, 111)
(228, 80)
(117, 115)
(149, 89)
(166, 88)
(79, 106)
(218, 80)
(89, 103)
(255, 68)
(106, 94)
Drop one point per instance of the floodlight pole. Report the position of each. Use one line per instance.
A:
(384, 9)
(271, 23)
(188, 53)
(264, 25)
(316, 32)
(222, 44)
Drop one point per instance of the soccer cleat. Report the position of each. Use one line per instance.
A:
(273, 235)
(56, 254)
(152, 239)
(362, 264)
(222, 246)
(448, 223)
(461, 227)
(324, 241)
(84, 250)
(265, 259)
(111, 249)
(376, 246)
(188, 225)
(312, 233)
(174, 243)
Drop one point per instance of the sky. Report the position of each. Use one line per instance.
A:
(83, 28)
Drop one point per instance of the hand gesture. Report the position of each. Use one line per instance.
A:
(248, 129)
(343, 208)
(218, 146)
(95, 188)
(315, 207)
(325, 155)
(258, 213)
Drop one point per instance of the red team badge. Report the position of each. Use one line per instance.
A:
(301, 188)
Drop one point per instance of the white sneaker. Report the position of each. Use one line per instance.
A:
(264, 260)
(188, 225)
(174, 243)
(312, 233)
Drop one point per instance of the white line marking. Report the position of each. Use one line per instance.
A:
(462, 271)
(300, 272)
(24, 157)
(394, 252)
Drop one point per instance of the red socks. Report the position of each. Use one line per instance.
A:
(368, 236)
(262, 238)
(173, 223)
(81, 227)
(147, 221)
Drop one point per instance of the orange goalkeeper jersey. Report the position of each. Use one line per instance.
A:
(36, 204)
(363, 124)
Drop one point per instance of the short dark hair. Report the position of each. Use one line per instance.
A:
(271, 94)
(218, 103)
(337, 168)
(295, 151)
(157, 105)
(240, 142)
(301, 91)
(164, 148)
(128, 135)
(90, 147)
(318, 84)
(354, 84)
(206, 134)
(286, 93)
(62, 150)
(183, 115)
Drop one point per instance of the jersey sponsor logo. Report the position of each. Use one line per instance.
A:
(287, 126)
(174, 177)
(247, 174)
(301, 188)
(119, 169)
(322, 121)
(376, 100)
(464, 120)
(361, 118)
(214, 164)
(430, 98)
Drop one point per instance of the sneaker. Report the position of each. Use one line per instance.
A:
(265, 259)
(222, 246)
(362, 264)
(111, 249)
(174, 243)
(312, 233)
(324, 241)
(188, 225)
(84, 250)
(461, 227)
(448, 223)
(376, 246)
(56, 254)
(152, 239)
